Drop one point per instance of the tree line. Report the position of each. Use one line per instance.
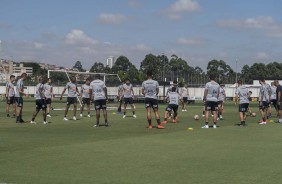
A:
(175, 68)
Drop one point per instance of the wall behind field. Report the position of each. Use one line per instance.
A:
(195, 93)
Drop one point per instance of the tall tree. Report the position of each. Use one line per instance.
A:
(220, 69)
(78, 66)
(153, 63)
(97, 68)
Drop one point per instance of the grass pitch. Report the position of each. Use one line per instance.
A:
(128, 153)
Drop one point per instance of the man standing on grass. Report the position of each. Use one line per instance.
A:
(150, 88)
(264, 100)
(48, 92)
(184, 93)
(100, 95)
(19, 93)
(40, 101)
(85, 94)
(72, 97)
(279, 100)
(273, 99)
(243, 95)
(221, 99)
(128, 95)
(10, 96)
(120, 97)
(211, 101)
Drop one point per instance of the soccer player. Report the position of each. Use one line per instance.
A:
(184, 93)
(211, 100)
(128, 95)
(173, 98)
(85, 95)
(250, 99)
(273, 99)
(10, 96)
(72, 97)
(150, 88)
(48, 92)
(264, 100)
(100, 95)
(243, 95)
(19, 93)
(279, 100)
(40, 101)
(221, 99)
(120, 97)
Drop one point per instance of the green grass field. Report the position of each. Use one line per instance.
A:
(128, 153)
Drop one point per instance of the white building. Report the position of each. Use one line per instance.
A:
(110, 61)
(18, 70)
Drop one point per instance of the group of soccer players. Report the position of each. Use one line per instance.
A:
(95, 91)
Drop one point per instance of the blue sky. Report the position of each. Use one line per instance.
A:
(64, 31)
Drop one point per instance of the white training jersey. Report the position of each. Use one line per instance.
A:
(11, 89)
(71, 89)
(97, 87)
(120, 90)
(243, 94)
(127, 90)
(85, 90)
(48, 90)
(184, 92)
(221, 96)
(150, 88)
(39, 93)
(19, 87)
(173, 98)
(213, 91)
(265, 92)
(273, 93)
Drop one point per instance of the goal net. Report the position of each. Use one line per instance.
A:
(61, 77)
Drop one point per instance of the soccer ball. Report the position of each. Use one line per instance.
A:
(254, 114)
(196, 117)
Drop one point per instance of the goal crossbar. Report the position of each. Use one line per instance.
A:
(91, 73)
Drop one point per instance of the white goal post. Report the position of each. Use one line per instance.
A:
(66, 72)
(85, 73)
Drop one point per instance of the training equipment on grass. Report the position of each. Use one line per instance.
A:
(254, 114)
(196, 117)
(190, 129)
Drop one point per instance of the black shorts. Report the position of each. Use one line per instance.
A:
(19, 101)
(211, 106)
(41, 104)
(71, 100)
(172, 107)
(263, 105)
(86, 101)
(185, 99)
(11, 101)
(151, 102)
(100, 104)
(244, 107)
(273, 102)
(128, 101)
(48, 101)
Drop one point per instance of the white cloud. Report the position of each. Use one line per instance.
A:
(133, 3)
(264, 23)
(112, 19)
(261, 55)
(175, 10)
(78, 37)
(190, 41)
(142, 47)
